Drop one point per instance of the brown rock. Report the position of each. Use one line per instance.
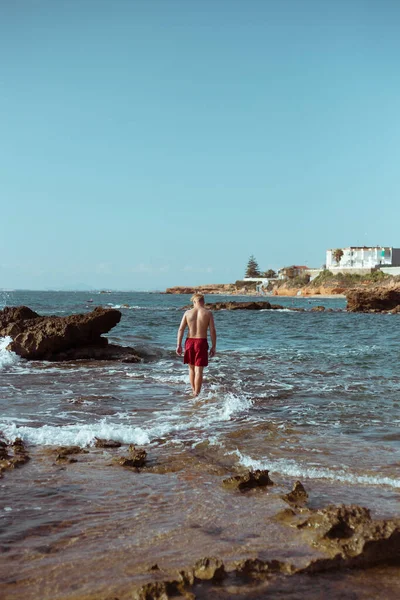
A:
(136, 458)
(76, 337)
(318, 309)
(349, 533)
(255, 568)
(248, 481)
(151, 591)
(297, 496)
(376, 299)
(44, 337)
(241, 306)
(100, 443)
(12, 319)
(64, 452)
(3, 450)
(209, 568)
(13, 455)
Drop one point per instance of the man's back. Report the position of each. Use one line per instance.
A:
(198, 320)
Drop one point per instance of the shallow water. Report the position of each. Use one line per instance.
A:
(307, 395)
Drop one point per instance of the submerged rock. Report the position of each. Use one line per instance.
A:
(136, 458)
(64, 453)
(248, 481)
(12, 455)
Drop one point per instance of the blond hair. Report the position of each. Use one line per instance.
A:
(197, 297)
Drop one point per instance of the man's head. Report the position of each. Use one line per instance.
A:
(197, 299)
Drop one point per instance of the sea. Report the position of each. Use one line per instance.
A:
(309, 395)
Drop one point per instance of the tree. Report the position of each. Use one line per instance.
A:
(337, 254)
(253, 270)
(270, 274)
(290, 272)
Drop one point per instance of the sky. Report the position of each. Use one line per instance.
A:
(151, 143)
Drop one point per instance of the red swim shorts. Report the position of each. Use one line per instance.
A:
(196, 352)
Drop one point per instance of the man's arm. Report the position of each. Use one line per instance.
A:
(181, 331)
(213, 335)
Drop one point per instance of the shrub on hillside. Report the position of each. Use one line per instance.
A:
(248, 285)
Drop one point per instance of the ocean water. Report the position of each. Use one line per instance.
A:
(308, 395)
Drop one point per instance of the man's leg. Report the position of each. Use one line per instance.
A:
(198, 380)
(191, 376)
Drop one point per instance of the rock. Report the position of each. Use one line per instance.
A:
(64, 452)
(100, 352)
(297, 496)
(255, 568)
(162, 590)
(373, 299)
(209, 568)
(12, 455)
(348, 533)
(74, 337)
(3, 450)
(318, 309)
(136, 458)
(151, 591)
(12, 319)
(241, 306)
(44, 337)
(100, 443)
(248, 481)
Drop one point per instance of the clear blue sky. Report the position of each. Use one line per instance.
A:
(152, 143)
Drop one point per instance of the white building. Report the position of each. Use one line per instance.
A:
(362, 257)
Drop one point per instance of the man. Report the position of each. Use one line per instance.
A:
(198, 320)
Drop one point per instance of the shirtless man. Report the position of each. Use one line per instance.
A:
(198, 320)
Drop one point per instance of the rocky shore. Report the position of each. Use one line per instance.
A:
(373, 298)
(287, 542)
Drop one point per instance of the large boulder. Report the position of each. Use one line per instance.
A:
(63, 338)
(373, 299)
(12, 319)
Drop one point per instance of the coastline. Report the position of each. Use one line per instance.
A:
(146, 503)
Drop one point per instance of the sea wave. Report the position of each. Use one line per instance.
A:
(7, 358)
(197, 415)
(293, 469)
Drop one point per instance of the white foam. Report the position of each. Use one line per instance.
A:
(7, 358)
(286, 467)
(77, 434)
(183, 417)
(231, 405)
